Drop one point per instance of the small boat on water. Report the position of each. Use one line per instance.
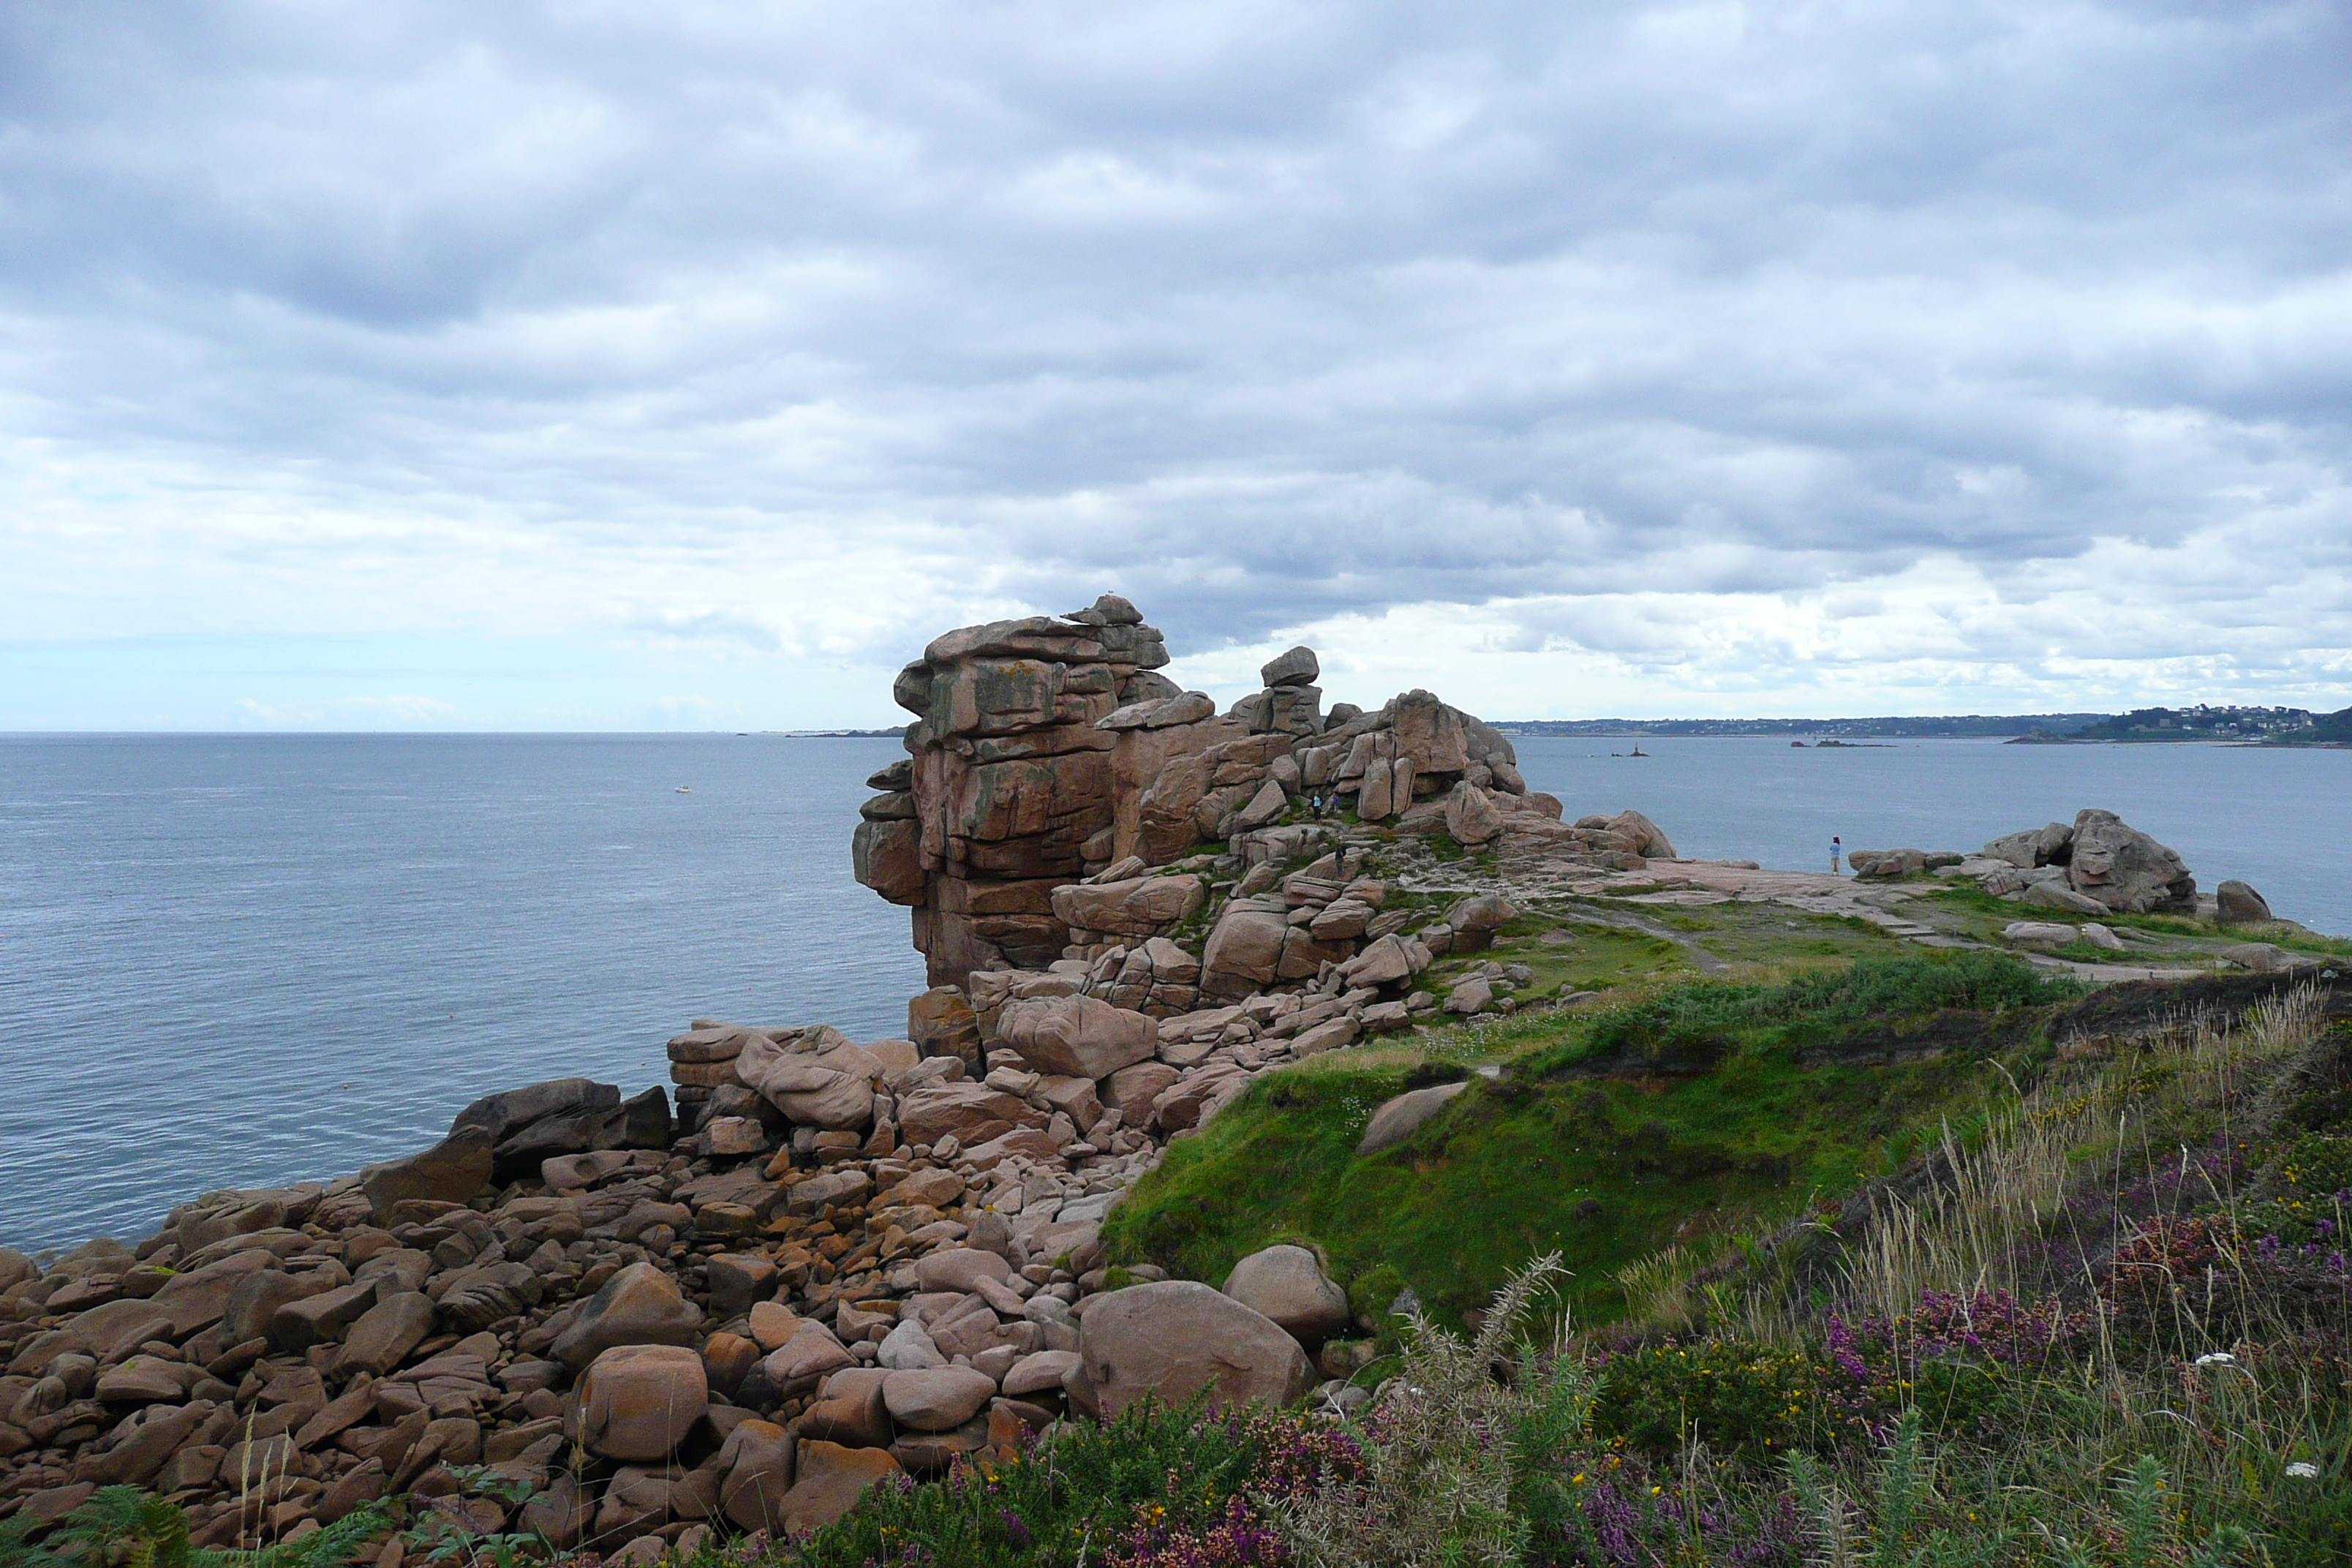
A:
(684, 789)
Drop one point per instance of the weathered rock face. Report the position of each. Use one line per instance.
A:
(1009, 783)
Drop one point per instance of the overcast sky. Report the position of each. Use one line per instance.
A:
(583, 365)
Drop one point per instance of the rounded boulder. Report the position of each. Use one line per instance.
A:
(937, 1398)
(1175, 1337)
(639, 1402)
(1287, 1285)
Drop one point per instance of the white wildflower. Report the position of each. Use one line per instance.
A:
(2302, 1470)
(2217, 1358)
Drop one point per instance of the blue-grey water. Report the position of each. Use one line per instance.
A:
(236, 961)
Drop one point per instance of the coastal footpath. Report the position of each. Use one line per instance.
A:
(812, 1264)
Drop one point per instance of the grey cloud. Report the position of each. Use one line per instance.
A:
(1269, 311)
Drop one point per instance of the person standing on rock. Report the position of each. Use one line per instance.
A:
(1837, 851)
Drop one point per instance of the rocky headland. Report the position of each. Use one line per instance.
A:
(813, 1263)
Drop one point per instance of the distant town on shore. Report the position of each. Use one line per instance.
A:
(2265, 726)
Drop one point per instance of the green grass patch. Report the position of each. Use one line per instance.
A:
(1603, 1169)
(1692, 1026)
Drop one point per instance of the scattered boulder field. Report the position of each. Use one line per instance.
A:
(815, 1263)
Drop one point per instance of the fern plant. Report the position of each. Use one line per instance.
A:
(123, 1527)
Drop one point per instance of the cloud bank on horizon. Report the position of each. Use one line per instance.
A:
(415, 363)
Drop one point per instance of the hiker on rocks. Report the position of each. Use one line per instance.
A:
(1836, 851)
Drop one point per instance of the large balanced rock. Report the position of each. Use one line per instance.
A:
(1176, 1337)
(1287, 1285)
(2125, 870)
(639, 1402)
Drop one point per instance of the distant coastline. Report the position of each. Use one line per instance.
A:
(2211, 725)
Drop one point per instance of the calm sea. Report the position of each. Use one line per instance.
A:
(238, 960)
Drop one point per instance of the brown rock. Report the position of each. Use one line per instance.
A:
(851, 1411)
(1470, 816)
(1131, 1091)
(935, 1111)
(810, 1353)
(757, 1461)
(636, 1503)
(1243, 952)
(562, 1512)
(1288, 1286)
(774, 1325)
(887, 857)
(452, 1171)
(1140, 907)
(386, 1334)
(145, 1380)
(2124, 869)
(831, 1479)
(1176, 1337)
(256, 1297)
(1648, 841)
(737, 1281)
(1398, 1119)
(726, 1360)
(1042, 1372)
(639, 1401)
(190, 1300)
(140, 1450)
(2235, 903)
(320, 1319)
(816, 1075)
(960, 1269)
(1077, 1036)
(638, 1306)
(354, 1489)
(941, 1024)
(937, 1399)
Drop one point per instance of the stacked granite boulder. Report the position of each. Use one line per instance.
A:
(1008, 783)
(1053, 781)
